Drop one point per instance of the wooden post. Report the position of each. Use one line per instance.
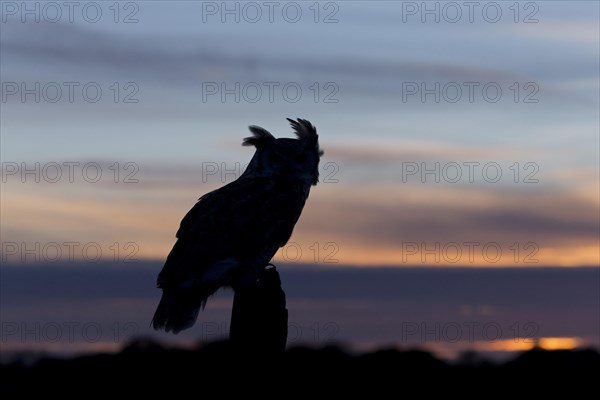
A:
(259, 318)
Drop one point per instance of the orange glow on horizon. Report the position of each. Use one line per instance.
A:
(327, 234)
(328, 253)
(560, 343)
(545, 343)
(449, 350)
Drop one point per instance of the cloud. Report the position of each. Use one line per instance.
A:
(398, 151)
(562, 227)
(69, 47)
(409, 203)
(580, 32)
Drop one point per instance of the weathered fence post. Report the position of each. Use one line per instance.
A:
(259, 318)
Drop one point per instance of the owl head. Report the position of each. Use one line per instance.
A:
(284, 158)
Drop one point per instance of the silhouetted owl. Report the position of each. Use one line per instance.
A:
(232, 233)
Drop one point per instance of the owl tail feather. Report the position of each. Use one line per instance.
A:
(176, 312)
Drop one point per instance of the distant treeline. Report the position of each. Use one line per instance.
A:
(149, 367)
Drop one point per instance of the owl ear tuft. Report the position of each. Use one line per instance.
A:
(304, 129)
(307, 132)
(259, 137)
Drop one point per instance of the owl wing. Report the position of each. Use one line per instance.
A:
(231, 226)
(286, 208)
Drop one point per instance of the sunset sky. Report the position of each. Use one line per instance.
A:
(467, 141)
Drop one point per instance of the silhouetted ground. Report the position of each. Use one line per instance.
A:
(147, 367)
